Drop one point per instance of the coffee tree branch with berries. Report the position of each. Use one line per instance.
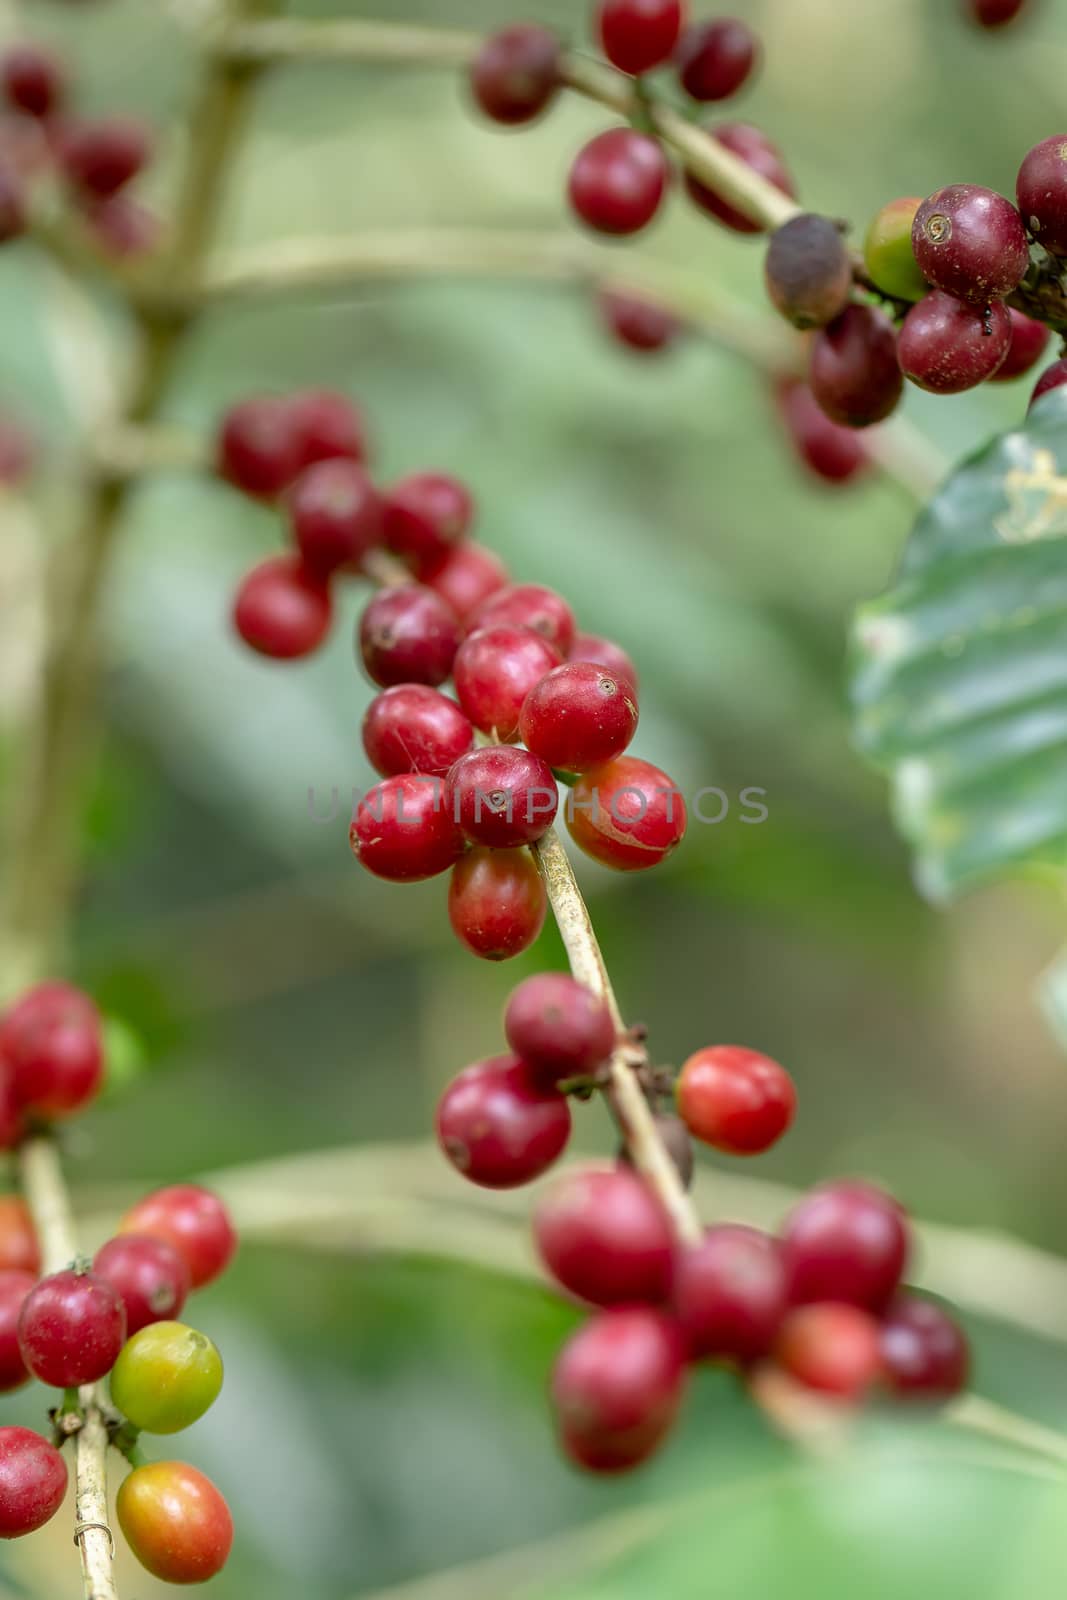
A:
(498, 719)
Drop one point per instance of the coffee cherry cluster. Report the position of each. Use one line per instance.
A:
(94, 158)
(114, 1316)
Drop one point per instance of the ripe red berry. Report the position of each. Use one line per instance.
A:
(14, 1287)
(579, 716)
(970, 242)
(604, 653)
(466, 577)
(12, 1124)
(1028, 341)
(413, 728)
(18, 1241)
(558, 1026)
(403, 829)
(674, 1135)
(194, 1221)
(71, 1328)
(845, 1241)
(335, 514)
(854, 373)
(993, 13)
(637, 322)
(757, 151)
(494, 671)
(175, 1521)
(616, 1388)
(528, 605)
(149, 1275)
(715, 59)
(603, 1235)
(618, 181)
(1041, 190)
(258, 450)
(282, 610)
(833, 453)
(735, 1099)
(628, 814)
(832, 1348)
(1053, 377)
(33, 1482)
(101, 156)
(13, 207)
(924, 1350)
(515, 74)
(498, 1126)
(729, 1294)
(426, 516)
(34, 79)
(947, 346)
(639, 35)
(496, 902)
(502, 796)
(52, 1043)
(808, 271)
(408, 634)
(325, 426)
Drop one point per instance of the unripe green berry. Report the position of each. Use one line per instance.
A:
(887, 252)
(166, 1377)
(808, 271)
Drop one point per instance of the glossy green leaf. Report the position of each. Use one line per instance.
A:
(960, 672)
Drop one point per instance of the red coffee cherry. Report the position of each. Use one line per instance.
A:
(335, 514)
(528, 605)
(845, 1241)
(616, 1388)
(426, 516)
(833, 453)
(729, 1294)
(603, 1235)
(1041, 190)
(604, 653)
(757, 151)
(924, 1351)
(194, 1221)
(101, 156)
(496, 902)
(715, 59)
(413, 728)
(578, 717)
(33, 1482)
(71, 1328)
(500, 1128)
(735, 1099)
(124, 226)
(947, 346)
(14, 1287)
(970, 242)
(34, 79)
(408, 634)
(282, 610)
(1028, 341)
(628, 814)
(19, 1249)
(618, 181)
(1053, 377)
(466, 577)
(515, 74)
(639, 35)
(149, 1275)
(808, 271)
(403, 829)
(502, 796)
(52, 1044)
(674, 1134)
(12, 1126)
(854, 373)
(832, 1348)
(175, 1521)
(636, 322)
(325, 426)
(495, 669)
(993, 13)
(558, 1026)
(258, 450)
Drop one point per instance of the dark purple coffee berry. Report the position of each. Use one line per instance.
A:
(715, 59)
(1041, 190)
(970, 242)
(515, 74)
(854, 373)
(947, 346)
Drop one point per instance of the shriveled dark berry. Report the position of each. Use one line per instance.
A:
(675, 1136)
(808, 271)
